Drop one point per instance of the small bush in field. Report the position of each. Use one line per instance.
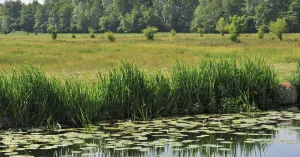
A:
(150, 32)
(200, 31)
(73, 36)
(53, 31)
(92, 32)
(173, 32)
(110, 36)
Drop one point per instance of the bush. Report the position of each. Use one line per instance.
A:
(92, 32)
(53, 31)
(236, 27)
(173, 32)
(73, 36)
(221, 26)
(279, 27)
(261, 31)
(110, 36)
(200, 31)
(150, 32)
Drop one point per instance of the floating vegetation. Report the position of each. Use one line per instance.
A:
(139, 138)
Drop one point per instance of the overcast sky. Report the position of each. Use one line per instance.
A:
(24, 1)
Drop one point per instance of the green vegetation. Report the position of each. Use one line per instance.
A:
(204, 135)
(30, 98)
(133, 16)
(73, 36)
(296, 76)
(92, 32)
(173, 32)
(53, 31)
(149, 32)
(200, 31)
(278, 27)
(236, 27)
(261, 31)
(185, 136)
(221, 26)
(84, 57)
(110, 36)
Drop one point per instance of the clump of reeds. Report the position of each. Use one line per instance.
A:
(29, 97)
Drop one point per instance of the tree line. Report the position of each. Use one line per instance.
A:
(77, 16)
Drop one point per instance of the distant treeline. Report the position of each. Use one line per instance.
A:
(134, 15)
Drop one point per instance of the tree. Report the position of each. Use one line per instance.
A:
(221, 26)
(41, 21)
(110, 21)
(278, 27)
(65, 13)
(11, 11)
(206, 15)
(132, 22)
(293, 16)
(27, 16)
(236, 27)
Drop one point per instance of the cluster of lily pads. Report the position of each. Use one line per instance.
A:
(200, 135)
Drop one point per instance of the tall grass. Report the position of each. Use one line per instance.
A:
(30, 97)
(296, 77)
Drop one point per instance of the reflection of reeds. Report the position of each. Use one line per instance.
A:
(29, 97)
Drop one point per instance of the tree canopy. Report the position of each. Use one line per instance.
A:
(74, 16)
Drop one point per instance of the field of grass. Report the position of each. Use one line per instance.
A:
(211, 75)
(84, 57)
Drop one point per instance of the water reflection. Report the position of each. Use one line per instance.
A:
(236, 136)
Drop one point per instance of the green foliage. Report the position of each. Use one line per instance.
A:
(110, 36)
(53, 31)
(73, 36)
(131, 16)
(260, 32)
(295, 80)
(200, 31)
(221, 26)
(236, 27)
(149, 32)
(173, 32)
(278, 27)
(92, 32)
(30, 97)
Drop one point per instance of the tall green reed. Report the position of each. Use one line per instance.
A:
(29, 97)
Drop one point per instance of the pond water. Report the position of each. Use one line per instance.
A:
(269, 134)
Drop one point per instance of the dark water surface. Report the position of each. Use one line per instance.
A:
(270, 134)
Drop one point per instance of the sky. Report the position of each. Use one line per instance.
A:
(24, 1)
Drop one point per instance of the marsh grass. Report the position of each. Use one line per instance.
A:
(29, 97)
(296, 76)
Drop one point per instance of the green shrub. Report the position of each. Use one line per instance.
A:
(260, 32)
(279, 27)
(200, 31)
(53, 31)
(73, 36)
(173, 32)
(149, 32)
(110, 36)
(92, 32)
(221, 26)
(236, 27)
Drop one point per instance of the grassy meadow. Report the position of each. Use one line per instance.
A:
(139, 79)
(84, 57)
